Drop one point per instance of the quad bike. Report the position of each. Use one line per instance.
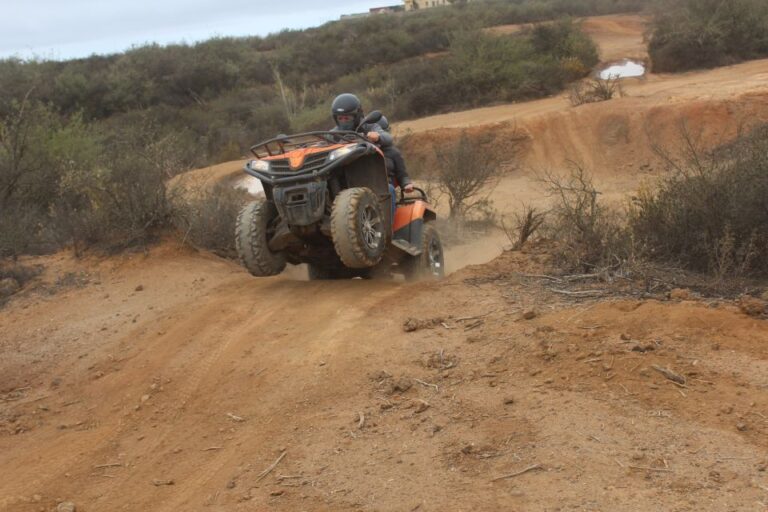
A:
(328, 203)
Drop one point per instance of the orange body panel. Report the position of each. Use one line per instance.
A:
(406, 214)
(297, 156)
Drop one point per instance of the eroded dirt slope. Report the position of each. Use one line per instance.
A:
(179, 368)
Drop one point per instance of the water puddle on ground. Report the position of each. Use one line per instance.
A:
(624, 69)
(249, 183)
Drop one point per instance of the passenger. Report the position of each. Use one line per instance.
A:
(347, 112)
(397, 169)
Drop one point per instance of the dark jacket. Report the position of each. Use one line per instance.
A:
(395, 162)
(385, 138)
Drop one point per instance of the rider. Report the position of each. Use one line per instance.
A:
(347, 112)
(398, 162)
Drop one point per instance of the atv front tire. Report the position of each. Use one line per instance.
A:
(252, 237)
(430, 264)
(358, 228)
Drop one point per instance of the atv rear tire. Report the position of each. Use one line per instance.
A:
(430, 264)
(251, 239)
(357, 228)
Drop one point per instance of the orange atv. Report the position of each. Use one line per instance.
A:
(328, 203)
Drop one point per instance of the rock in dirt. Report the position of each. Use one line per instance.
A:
(8, 287)
(414, 324)
(66, 506)
(422, 406)
(753, 306)
(401, 385)
(157, 483)
(741, 427)
(510, 400)
(529, 314)
(680, 294)
(139, 288)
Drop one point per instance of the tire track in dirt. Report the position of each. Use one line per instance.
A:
(240, 318)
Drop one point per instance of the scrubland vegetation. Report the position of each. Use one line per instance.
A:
(691, 34)
(707, 215)
(231, 92)
(86, 146)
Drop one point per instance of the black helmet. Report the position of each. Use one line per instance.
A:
(347, 104)
(384, 123)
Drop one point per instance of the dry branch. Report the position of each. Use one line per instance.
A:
(644, 468)
(580, 293)
(669, 374)
(427, 384)
(271, 467)
(518, 473)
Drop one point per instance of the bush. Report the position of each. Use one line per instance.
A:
(595, 90)
(123, 200)
(589, 234)
(525, 223)
(691, 34)
(711, 214)
(20, 228)
(467, 174)
(37, 149)
(206, 217)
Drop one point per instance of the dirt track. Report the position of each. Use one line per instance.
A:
(120, 376)
(205, 376)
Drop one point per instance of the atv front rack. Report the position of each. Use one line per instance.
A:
(286, 143)
(276, 177)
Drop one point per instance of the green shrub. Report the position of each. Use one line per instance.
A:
(711, 213)
(206, 217)
(690, 34)
(589, 234)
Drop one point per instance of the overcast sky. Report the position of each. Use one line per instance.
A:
(64, 29)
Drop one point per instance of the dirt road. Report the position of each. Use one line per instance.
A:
(179, 368)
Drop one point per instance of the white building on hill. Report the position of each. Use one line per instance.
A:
(412, 5)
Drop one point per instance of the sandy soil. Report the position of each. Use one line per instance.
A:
(178, 367)
(172, 380)
(618, 36)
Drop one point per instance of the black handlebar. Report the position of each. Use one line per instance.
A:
(416, 189)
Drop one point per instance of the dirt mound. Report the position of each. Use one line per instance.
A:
(247, 394)
(609, 138)
(618, 36)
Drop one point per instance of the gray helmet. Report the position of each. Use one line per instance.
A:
(347, 104)
(384, 123)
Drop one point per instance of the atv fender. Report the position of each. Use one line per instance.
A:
(409, 224)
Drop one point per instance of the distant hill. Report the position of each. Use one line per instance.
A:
(229, 92)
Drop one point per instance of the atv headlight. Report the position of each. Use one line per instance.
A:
(335, 155)
(259, 165)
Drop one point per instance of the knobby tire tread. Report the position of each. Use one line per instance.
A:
(251, 241)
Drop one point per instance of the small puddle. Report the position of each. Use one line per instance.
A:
(624, 69)
(250, 184)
